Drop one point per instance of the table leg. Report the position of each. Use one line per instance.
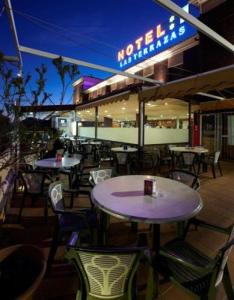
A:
(104, 224)
(156, 249)
(156, 238)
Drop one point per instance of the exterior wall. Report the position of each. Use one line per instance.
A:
(221, 20)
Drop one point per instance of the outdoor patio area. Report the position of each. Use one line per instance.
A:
(62, 281)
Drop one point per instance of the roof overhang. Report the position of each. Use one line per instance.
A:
(215, 80)
(47, 108)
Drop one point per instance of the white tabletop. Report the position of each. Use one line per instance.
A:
(91, 143)
(123, 197)
(121, 149)
(66, 162)
(197, 150)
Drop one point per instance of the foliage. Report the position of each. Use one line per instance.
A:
(67, 74)
(16, 91)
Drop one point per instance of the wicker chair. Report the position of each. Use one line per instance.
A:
(22, 270)
(193, 271)
(105, 273)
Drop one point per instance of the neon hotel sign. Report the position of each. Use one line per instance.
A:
(156, 40)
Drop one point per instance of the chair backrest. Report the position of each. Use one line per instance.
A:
(100, 175)
(157, 153)
(216, 156)
(30, 160)
(33, 181)
(224, 253)
(185, 177)
(106, 273)
(22, 270)
(121, 158)
(87, 148)
(56, 196)
(188, 158)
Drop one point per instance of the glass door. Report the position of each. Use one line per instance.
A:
(208, 131)
(228, 136)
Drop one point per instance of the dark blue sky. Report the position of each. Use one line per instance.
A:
(91, 30)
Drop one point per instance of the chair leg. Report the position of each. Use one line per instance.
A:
(72, 200)
(220, 170)
(46, 209)
(213, 171)
(228, 284)
(53, 248)
(134, 227)
(21, 208)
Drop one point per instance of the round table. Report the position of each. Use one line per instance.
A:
(123, 197)
(121, 149)
(51, 163)
(197, 150)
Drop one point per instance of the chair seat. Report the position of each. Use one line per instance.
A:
(190, 279)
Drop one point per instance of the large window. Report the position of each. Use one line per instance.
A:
(86, 123)
(166, 121)
(118, 121)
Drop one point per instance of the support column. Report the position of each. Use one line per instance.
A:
(190, 127)
(96, 121)
(141, 124)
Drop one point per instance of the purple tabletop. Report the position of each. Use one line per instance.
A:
(123, 197)
(66, 162)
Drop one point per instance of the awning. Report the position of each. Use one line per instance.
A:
(218, 80)
(114, 98)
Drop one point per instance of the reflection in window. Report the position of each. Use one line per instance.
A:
(230, 130)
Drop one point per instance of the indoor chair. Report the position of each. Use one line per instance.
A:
(193, 271)
(105, 273)
(68, 220)
(185, 177)
(22, 268)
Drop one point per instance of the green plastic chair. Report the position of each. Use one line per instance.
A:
(105, 273)
(193, 271)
